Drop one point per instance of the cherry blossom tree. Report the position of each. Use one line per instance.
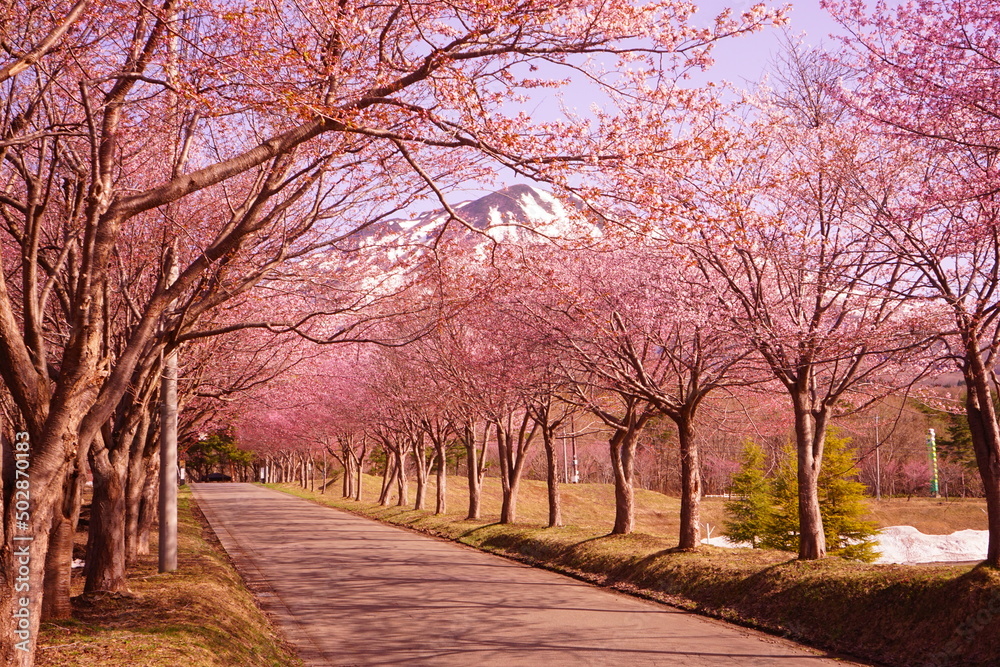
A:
(634, 327)
(504, 371)
(788, 248)
(928, 79)
(24, 29)
(453, 353)
(653, 331)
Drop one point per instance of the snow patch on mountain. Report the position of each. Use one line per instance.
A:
(382, 255)
(519, 213)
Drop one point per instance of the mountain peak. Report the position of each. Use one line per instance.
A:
(516, 213)
(521, 205)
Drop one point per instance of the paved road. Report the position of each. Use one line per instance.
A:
(350, 591)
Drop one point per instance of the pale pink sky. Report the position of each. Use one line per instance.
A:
(744, 59)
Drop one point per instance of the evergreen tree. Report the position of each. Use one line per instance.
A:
(782, 530)
(216, 452)
(954, 443)
(842, 503)
(774, 513)
(750, 508)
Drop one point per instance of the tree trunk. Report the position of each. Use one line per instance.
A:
(58, 564)
(25, 535)
(810, 435)
(352, 490)
(475, 479)
(150, 503)
(59, 559)
(690, 530)
(22, 562)
(148, 506)
(401, 486)
(509, 514)
(388, 477)
(422, 471)
(345, 490)
(421, 500)
(984, 428)
(622, 445)
(505, 459)
(513, 456)
(138, 468)
(442, 479)
(361, 461)
(552, 478)
(105, 568)
(992, 492)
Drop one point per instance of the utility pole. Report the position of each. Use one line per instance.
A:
(576, 469)
(167, 510)
(566, 459)
(878, 463)
(168, 447)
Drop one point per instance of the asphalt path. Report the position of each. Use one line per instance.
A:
(350, 591)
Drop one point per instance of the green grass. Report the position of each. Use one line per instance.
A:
(199, 616)
(891, 614)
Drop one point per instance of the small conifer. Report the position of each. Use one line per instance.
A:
(750, 507)
(842, 503)
(782, 531)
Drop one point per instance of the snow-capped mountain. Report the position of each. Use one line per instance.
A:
(520, 213)
(381, 256)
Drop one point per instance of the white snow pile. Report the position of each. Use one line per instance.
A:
(907, 546)
(723, 541)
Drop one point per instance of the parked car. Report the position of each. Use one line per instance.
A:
(218, 477)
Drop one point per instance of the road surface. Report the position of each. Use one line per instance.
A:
(350, 591)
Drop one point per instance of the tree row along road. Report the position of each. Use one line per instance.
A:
(350, 591)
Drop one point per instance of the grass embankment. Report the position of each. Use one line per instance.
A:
(891, 614)
(199, 616)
